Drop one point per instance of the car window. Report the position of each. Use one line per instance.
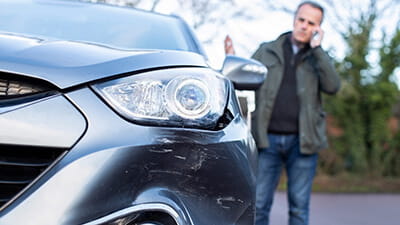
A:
(113, 26)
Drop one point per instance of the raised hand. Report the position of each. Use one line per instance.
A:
(228, 44)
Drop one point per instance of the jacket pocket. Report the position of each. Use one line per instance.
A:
(313, 137)
(320, 129)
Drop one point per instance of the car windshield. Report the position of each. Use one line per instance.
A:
(95, 23)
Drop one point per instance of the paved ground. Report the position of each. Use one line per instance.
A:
(344, 209)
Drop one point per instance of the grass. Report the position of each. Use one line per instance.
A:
(346, 183)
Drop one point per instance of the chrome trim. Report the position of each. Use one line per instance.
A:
(135, 209)
(6, 109)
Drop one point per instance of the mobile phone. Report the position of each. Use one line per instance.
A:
(315, 35)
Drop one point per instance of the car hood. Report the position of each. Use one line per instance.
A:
(70, 63)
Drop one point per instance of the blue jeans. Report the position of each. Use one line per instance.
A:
(284, 150)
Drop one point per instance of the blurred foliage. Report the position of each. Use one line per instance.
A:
(363, 108)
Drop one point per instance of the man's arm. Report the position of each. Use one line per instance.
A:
(328, 78)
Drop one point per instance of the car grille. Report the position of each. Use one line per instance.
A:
(21, 165)
(12, 85)
(14, 88)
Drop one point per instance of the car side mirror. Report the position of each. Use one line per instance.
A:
(245, 74)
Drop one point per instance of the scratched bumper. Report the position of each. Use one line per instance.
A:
(118, 171)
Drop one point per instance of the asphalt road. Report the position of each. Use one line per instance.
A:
(344, 209)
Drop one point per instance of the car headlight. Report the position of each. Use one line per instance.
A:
(190, 97)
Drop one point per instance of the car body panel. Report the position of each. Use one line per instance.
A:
(158, 162)
(66, 64)
(53, 118)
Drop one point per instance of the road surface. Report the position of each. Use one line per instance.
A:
(344, 209)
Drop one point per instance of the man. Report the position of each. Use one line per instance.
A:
(289, 122)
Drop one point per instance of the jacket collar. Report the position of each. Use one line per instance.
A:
(277, 46)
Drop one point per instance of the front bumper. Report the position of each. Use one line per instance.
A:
(115, 169)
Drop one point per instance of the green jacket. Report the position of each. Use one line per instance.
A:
(315, 74)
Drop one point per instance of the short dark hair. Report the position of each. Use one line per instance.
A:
(312, 4)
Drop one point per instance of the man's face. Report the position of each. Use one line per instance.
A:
(306, 21)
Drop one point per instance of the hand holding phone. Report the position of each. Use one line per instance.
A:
(317, 36)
